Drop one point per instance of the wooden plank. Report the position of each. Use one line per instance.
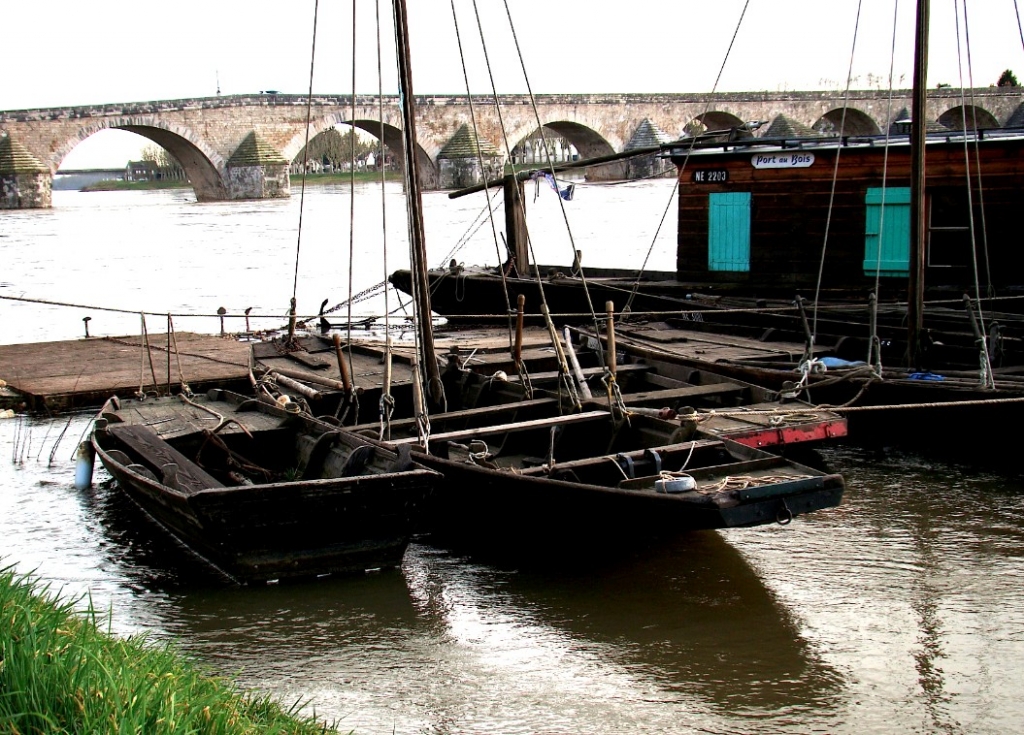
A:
(690, 391)
(547, 375)
(465, 414)
(506, 428)
(190, 477)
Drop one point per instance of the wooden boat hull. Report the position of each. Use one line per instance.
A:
(589, 477)
(474, 501)
(478, 297)
(274, 530)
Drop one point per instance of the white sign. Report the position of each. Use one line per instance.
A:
(785, 159)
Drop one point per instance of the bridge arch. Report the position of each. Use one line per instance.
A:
(716, 120)
(587, 142)
(202, 164)
(856, 122)
(392, 139)
(976, 118)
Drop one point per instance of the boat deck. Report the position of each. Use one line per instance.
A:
(709, 347)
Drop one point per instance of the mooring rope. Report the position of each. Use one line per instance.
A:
(158, 348)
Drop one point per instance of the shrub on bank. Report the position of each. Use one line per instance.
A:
(59, 672)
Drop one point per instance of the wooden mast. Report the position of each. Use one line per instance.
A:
(517, 243)
(414, 199)
(918, 210)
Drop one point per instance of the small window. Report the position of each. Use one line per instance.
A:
(949, 228)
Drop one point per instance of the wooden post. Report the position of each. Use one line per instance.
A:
(577, 370)
(346, 379)
(291, 322)
(387, 367)
(515, 224)
(556, 343)
(414, 204)
(517, 349)
(169, 327)
(918, 211)
(609, 308)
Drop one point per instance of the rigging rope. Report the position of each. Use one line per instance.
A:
(874, 343)
(990, 288)
(480, 158)
(387, 402)
(686, 158)
(305, 158)
(835, 177)
(351, 399)
(547, 156)
(985, 365)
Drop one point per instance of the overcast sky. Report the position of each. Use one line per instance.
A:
(66, 52)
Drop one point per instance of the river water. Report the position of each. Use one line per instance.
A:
(902, 610)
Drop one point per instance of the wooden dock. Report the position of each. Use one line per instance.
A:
(60, 376)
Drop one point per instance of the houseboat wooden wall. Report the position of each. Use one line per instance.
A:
(789, 213)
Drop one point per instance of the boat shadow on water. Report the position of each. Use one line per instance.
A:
(684, 620)
(685, 615)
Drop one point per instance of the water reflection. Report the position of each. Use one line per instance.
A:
(688, 618)
(684, 630)
(137, 549)
(914, 586)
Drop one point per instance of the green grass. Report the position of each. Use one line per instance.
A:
(61, 673)
(116, 185)
(343, 177)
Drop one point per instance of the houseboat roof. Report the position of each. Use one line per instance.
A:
(716, 144)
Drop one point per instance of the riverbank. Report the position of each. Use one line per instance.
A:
(60, 672)
(343, 177)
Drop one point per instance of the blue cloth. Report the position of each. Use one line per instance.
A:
(925, 376)
(835, 362)
(565, 193)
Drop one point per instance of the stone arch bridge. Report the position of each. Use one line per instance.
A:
(239, 147)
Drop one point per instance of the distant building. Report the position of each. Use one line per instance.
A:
(141, 171)
(153, 171)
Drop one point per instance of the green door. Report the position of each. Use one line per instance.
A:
(887, 238)
(729, 232)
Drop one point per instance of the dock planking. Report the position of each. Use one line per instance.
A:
(58, 376)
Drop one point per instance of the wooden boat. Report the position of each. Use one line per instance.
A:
(722, 406)
(592, 476)
(260, 491)
(948, 413)
(599, 475)
(476, 295)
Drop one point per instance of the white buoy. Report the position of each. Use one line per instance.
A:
(85, 457)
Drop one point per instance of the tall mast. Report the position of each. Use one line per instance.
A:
(414, 199)
(918, 211)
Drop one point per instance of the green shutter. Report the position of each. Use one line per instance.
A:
(729, 232)
(887, 241)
